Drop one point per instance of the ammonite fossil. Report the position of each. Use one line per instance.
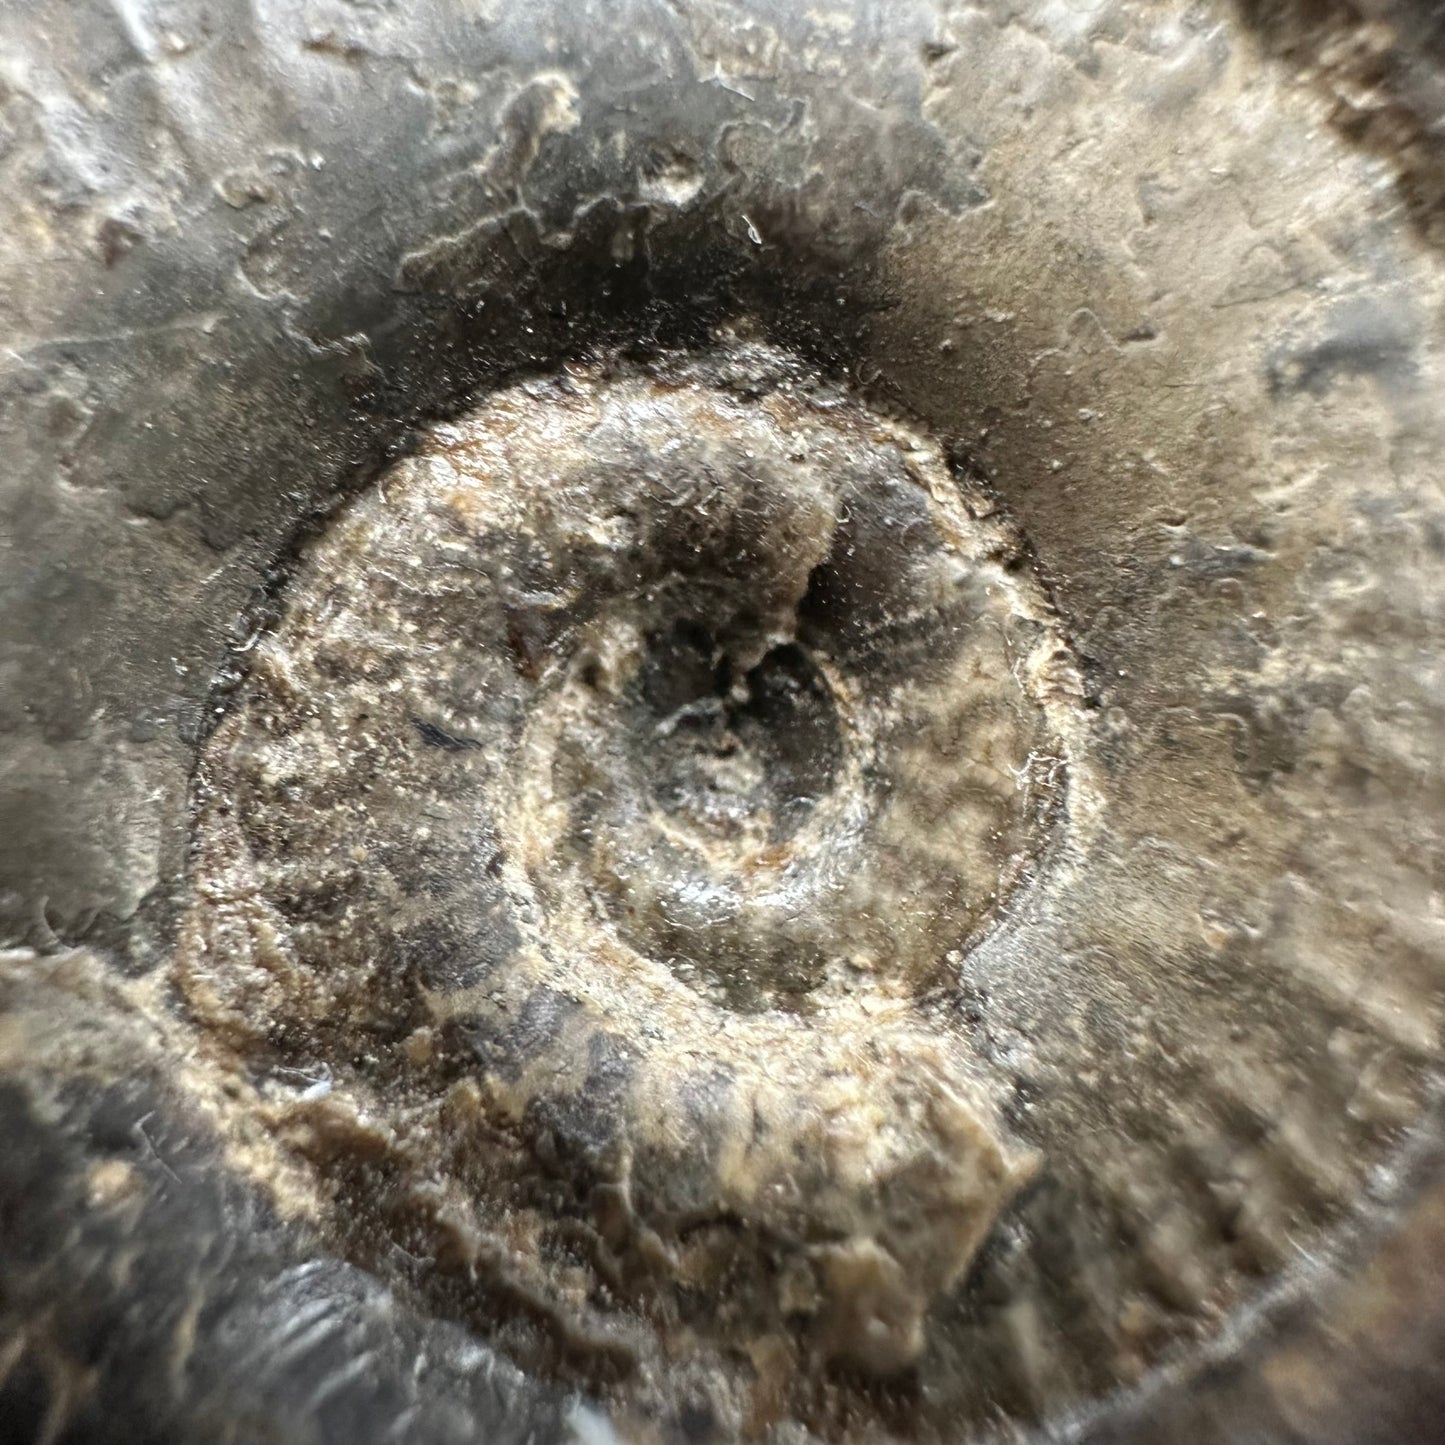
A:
(721, 722)
(613, 882)
(617, 799)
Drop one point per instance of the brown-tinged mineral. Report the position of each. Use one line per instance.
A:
(636, 762)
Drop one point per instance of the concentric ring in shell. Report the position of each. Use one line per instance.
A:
(630, 887)
(647, 750)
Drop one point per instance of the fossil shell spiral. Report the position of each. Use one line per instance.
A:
(639, 757)
(611, 900)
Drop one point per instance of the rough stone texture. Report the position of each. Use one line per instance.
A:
(186, 1309)
(1118, 259)
(640, 759)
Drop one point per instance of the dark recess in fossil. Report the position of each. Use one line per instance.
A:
(721, 721)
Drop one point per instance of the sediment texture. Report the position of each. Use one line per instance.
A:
(1159, 284)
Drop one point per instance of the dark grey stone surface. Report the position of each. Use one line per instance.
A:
(1145, 280)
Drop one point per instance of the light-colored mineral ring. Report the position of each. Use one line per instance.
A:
(656, 740)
